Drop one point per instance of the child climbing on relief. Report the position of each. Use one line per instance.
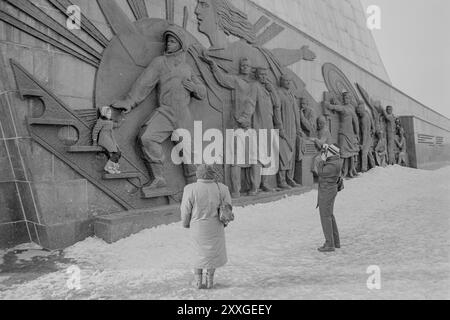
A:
(103, 136)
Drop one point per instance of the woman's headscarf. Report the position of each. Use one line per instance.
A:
(206, 172)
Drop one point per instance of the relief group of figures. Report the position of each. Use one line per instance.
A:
(264, 97)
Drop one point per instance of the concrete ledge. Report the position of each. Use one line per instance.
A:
(434, 165)
(61, 236)
(264, 197)
(112, 228)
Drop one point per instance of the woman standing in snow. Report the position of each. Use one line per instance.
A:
(200, 214)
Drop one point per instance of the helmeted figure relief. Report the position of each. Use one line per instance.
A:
(323, 138)
(348, 134)
(177, 85)
(290, 118)
(244, 109)
(400, 141)
(103, 136)
(390, 121)
(367, 130)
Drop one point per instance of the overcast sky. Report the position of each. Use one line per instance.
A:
(414, 44)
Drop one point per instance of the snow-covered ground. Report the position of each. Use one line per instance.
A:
(393, 218)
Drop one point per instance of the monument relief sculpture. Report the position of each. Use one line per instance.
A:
(133, 71)
(177, 84)
(366, 130)
(390, 121)
(217, 20)
(307, 118)
(244, 108)
(290, 118)
(381, 150)
(267, 114)
(400, 141)
(348, 134)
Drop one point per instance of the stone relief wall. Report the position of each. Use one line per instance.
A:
(340, 25)
(50, 202)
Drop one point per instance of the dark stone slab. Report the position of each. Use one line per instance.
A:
(114, 227)
(303, 173)
(117, 226)
(62, 172)
(149, 193)
(123, 175)
(265, 197)
(12, 234)
(6, 173)
(61, 236)
(38, 161)
(59, 202)
(28, 203)
(10, 209)
(100, 203)
(21, 110)
(50, 122)
(16, 159)
(6, 119)
(33, 233)
(84, 149)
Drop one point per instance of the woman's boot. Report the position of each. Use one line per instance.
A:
(199, 279)
(210, 278)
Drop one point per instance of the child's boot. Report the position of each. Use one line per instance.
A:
(109, 167)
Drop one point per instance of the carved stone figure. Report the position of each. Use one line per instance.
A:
(218, 18)
(323, 138)
(177, 84)
(348, 134)
(103, 136)
(267, 113)
(366, 131)
(381, 150)
(290, 118)
(243, 85)
(244, 109)
(400, 141)
(307, 118)
(390, 119)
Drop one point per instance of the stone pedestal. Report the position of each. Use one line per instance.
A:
(303, 173)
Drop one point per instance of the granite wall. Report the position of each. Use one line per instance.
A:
(44, 201)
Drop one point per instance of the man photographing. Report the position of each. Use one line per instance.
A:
(329, 172)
